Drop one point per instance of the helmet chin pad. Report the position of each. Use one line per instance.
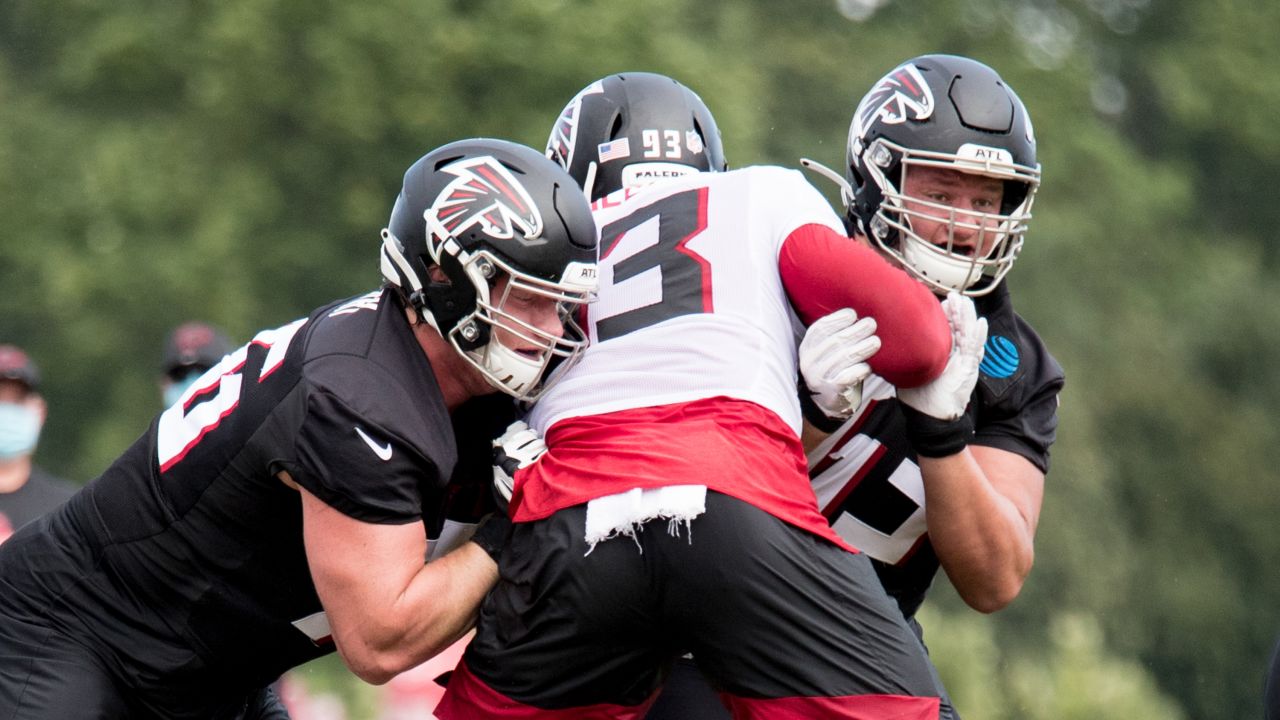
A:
(511, 372)
(942, 270)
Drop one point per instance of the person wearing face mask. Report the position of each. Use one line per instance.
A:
(26, 491)
(190, 350)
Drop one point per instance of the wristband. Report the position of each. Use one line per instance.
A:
(492, 534)
(936, 438)
(814, 414)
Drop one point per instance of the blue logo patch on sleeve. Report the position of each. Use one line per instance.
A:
(1000, 357)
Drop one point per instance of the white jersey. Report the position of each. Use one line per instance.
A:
(710, 287)
(843, 459)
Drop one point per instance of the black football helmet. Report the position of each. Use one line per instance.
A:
(479, 209)
(629, 129)
(950, 112)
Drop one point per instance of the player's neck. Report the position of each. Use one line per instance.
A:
(458, 380)
(14, 473)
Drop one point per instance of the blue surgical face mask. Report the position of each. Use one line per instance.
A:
(19, 430)
(173, 393)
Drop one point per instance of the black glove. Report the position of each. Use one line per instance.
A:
(265, 704)
(492, 534)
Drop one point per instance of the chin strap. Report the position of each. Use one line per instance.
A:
(590, 182)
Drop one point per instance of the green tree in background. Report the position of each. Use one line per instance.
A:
(234, 161)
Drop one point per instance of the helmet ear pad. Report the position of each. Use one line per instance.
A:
(1015, 193)
(448, 295)
(868, 196)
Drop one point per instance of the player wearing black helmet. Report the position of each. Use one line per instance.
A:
(629, 129)
(486, 240)
(941, 175)
(948, 116)
(683, 418)
(276, 512)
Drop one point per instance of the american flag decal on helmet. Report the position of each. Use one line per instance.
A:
(899, 96)
(486, 193)
(564, 137)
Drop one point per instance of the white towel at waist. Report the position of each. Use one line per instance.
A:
(624, 513)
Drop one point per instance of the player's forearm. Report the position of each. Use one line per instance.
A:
(983, 542)
(387, 610)
(439, 606)
(452, 595)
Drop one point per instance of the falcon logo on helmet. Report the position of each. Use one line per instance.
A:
(486, 194)
(564, 136)
(899, 96)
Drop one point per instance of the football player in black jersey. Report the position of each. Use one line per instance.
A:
(276, 512)
(940, 176)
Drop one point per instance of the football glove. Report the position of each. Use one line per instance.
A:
(518, 447)
(491, 535)
(833, 364)
(937, 423)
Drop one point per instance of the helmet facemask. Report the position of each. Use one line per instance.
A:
(974, 267)
(477, 335)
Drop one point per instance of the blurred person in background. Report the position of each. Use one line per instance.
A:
(26, 491)
(190, 349)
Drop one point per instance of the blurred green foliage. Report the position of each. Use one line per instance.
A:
(234, 161)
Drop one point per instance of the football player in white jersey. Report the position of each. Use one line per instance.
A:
(671, 512)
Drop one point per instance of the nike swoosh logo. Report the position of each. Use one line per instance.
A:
(383, 452)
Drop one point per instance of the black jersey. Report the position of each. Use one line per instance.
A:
(40, 494)
(183, 565)
(865, 475)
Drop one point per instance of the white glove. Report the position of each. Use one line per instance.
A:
(833, 360)
(947, 396)
(518, 447)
